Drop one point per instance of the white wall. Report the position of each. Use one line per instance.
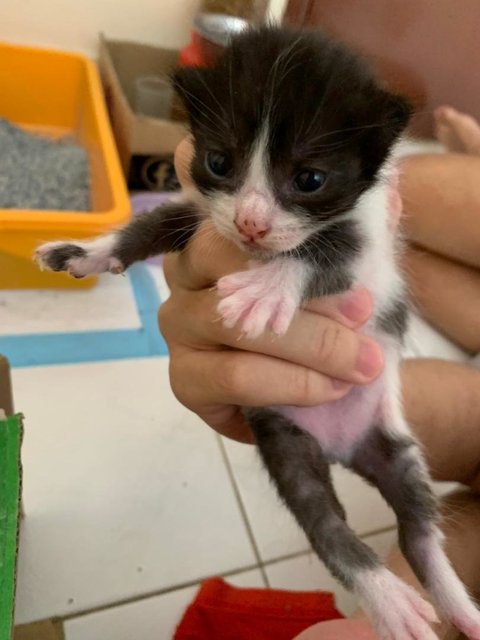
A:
(74, 24)
(276, 9)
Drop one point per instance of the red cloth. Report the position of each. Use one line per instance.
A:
(223, 612)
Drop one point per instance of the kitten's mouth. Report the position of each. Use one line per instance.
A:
(261, 249)
(270, 245)
(251, 242)
(256, 248)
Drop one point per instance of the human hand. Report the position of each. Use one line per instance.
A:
(214, 370)
(339, 630)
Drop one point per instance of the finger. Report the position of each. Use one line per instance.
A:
(312, 341)
(351, 309)
(339, 630)
(228, 421)
(171, 270)
(201, 379)
(182, 160)
(208, 257)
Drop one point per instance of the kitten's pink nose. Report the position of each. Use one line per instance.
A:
(251, 226)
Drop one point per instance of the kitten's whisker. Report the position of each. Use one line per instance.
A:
(201, 102)
(358, 128)
(320, 106)
(184, 231)
(179, 241)
(213, 240)
(230, 83)
(200, 77)
(271, 79)
(216, 131)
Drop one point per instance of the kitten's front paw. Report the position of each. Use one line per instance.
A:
(78, 260)
(252, 299)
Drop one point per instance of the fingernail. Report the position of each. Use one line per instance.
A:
(370, 358)
(356, 305)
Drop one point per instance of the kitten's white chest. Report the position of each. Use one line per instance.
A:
(376, 268)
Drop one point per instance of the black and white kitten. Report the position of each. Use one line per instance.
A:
(294, 140)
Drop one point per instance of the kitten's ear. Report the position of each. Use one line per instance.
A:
(392, 114)
(397, 113)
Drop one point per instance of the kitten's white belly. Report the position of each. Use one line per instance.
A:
(339, 425)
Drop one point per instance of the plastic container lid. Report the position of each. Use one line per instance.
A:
(218, 27)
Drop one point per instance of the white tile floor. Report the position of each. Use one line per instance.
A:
(122, 485)
(151, 618)
(130, 500)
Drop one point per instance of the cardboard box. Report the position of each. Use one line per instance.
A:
(10, 490)
(120, 63)
(47, 630)
(6, 400)
(10, 514)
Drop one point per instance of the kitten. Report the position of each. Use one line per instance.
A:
(294, 140)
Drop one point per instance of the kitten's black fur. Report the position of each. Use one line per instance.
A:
(337, 112)
(338, 117)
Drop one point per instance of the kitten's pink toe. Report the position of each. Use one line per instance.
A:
(396, 610)
(253, 299)
(424, 608)
(115, 266)
(468, 626)
(225, 287)
(228, 285)
(256, 320)
(420, 617)
(283, 319)
(230, 310)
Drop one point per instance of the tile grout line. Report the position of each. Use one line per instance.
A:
(377, 532)
(243, 511)
(178, 587)
(289, 556)
(305, 552)
(149, 594)
(196, 582)
(298, 554)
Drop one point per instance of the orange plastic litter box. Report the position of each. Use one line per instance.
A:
(54, 94)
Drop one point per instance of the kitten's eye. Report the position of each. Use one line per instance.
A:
(309, 180)
(217, 163)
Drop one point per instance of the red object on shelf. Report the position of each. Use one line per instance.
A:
(223, 612)
(210, 34)
(199, 52)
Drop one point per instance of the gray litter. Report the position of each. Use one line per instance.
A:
(39, 173)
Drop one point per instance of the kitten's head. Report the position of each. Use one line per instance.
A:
(289, 128)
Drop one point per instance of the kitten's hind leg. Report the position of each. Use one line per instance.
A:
(393, 462)
(301, 473)
(167, 228)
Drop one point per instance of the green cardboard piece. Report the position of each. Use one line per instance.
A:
(10, 490)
